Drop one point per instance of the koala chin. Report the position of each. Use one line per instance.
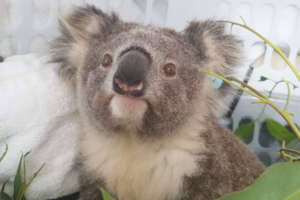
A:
(126, 107)
(148, 113)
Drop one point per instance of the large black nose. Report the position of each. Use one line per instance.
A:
(129, 78)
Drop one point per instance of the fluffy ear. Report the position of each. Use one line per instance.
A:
(77, 29)
(220, 51)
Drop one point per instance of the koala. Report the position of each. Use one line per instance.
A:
(148, 112)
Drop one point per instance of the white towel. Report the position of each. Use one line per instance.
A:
(38, 115)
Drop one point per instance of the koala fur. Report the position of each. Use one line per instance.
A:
(149, 115)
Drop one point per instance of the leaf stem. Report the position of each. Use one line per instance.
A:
(276, 48)
(286, 117)
(230, 82)
(291, 151)
(247, 86)
(269, 96)
(263, 99)
(288, 97)
(287, 156)
(5, 152)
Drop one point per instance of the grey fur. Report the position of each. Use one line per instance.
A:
(176, 112)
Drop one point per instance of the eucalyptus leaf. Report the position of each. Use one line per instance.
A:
(278, 131)
(294, 144)
(245, 131)
(26, 185)
(106, 195)
(3, 195)
(3, 187)
(5, 152)
(279, 182)
(18, 182)
(20, 185)
(294, 196)
(263, 78)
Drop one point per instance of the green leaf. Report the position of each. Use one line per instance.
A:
(5, 152)
(263, 78)
(24, 168)
(278, 131)
(26, 185)
(4, 196)
(20, 185)
(245, 131)
(3, 186)
(294, 196)
(294, 144)
(106, 195)
(18, 182)
(279, 182)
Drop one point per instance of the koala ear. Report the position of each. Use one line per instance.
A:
(77, 29)
(85, 22)
(219, 51)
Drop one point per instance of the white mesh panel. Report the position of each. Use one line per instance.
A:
(29, 25)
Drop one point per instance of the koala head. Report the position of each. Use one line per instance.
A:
(142, 79)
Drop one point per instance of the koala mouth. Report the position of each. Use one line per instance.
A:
(128, 101)
(130, 90)
(128, 107)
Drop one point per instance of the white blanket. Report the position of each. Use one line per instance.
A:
(38, 115)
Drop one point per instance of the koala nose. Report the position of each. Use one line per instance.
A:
(129, 78)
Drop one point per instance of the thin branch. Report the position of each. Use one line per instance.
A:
(276, 48)
(244, 21)
(288, 99)
(283, 154)
(291, 151)
(263, 99)
(286, 117)
(230, 82)
(287, 156)
(248, 86)
(269, 96)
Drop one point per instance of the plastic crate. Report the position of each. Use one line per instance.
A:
(29, 25)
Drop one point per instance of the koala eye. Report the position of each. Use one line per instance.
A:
(169, 70)
(106, 60)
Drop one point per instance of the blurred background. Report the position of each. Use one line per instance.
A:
(28, 26)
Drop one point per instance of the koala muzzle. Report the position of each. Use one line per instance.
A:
(129, 78)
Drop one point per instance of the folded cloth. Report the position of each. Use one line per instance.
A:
(38, 115)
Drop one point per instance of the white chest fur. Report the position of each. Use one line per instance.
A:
(139, 170)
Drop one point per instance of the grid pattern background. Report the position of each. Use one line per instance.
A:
(29, 25)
